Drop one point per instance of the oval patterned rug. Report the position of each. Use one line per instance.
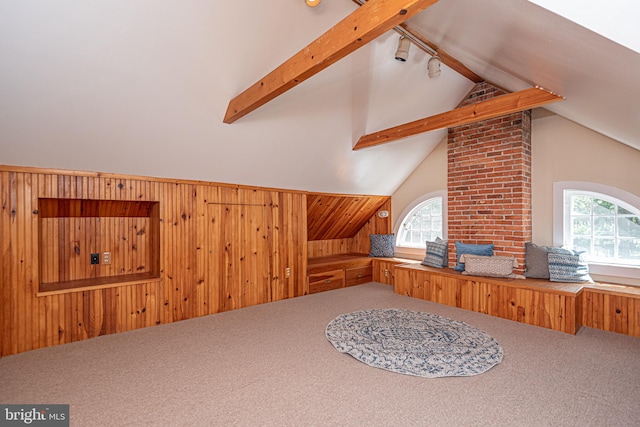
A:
(414, 343)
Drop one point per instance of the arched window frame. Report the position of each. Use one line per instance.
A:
(560, 218)
(414, 252)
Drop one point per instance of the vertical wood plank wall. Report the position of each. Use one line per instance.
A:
(221, 247)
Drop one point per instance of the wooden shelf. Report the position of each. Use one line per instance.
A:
(71, 230)
(55, 288)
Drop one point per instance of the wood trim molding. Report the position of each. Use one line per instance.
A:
(496, 107)
(351, 33)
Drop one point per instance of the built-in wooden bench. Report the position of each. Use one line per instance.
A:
(559, 306)
(340, 270)
(337, 271)
(612, 307)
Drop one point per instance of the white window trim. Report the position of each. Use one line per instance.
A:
(558, 221)
(419, 253)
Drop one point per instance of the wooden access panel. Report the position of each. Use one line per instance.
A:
(241, 245)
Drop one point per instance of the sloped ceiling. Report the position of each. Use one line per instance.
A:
(142, 87)
(339, 216)
(517, 43)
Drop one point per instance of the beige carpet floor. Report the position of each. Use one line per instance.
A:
(271, 365)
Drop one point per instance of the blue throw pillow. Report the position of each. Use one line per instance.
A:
(471, 249)
(382, 245)
(568, 267)
(437, 253)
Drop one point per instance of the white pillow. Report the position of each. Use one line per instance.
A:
(490, 266)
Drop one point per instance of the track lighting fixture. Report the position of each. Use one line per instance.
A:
(433, 66)
(402, 53)
(313, 3)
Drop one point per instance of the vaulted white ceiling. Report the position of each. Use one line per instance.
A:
(517, 43)
(142, 87)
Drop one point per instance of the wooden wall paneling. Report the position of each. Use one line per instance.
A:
(154, 299)
(189, 284)
(200, 274)
(375, 225)
(95, 316)
(319, 248)
(214, 250)
(278, 280)
(10, 305)
(291, 244)
(182, 279)
(288, 242)
(22, 300)
(31, 257)
(166, 307)
(40, 304)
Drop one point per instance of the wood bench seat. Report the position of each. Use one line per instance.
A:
(537, 284)
(337, 261)
(349, 269)
(560, 306)
(337, 271)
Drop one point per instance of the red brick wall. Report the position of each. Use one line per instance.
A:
(489, 181)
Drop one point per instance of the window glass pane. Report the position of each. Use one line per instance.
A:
(581, 226)
(602, 207)
(582, 244)
(423, 223)
(623, 211)
(629, 226)
(604, 248)
(598, 225)
(581, 205)
(415, 223)
(629, 249)
(604, 226)
(436, 209)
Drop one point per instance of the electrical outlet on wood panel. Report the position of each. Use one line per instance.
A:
(287, 272)
(106, 257)
(95, 258)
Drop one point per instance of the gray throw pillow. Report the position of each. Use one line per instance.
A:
(536, 260)
(437, 254)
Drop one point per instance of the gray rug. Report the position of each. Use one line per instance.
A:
(414, 343)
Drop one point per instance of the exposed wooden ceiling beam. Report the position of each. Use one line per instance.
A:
(495, 107)
(366, 23)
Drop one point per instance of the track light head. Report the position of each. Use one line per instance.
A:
(433, 66)
(402, 53)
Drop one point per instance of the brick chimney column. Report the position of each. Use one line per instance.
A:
(489, 180)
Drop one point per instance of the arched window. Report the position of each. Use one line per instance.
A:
(604, 223)
(423, 220)
(605, 228)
